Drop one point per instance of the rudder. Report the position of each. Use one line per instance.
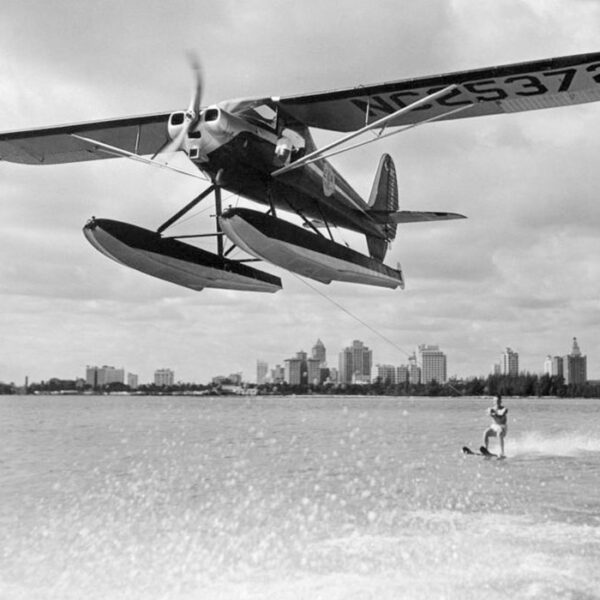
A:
(383, 198)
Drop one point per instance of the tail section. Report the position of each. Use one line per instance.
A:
(383, 200)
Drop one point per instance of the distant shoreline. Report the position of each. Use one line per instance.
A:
(488, 397)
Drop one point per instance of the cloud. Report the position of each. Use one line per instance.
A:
(521, 271)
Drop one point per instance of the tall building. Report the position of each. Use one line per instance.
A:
(575, 365)
(132, 381)
(325, 374)
(402, 374)
(386, 374)
(318, 352)
(432, 362)
(164, 377)
(296, 369)
(334, 375)
(345, 366)
(355, 363)
(414, 371)
(278, 374)
(510, 362)
(553, 366)
(262, 369)
(101, 376)
(313, 370)
(293, 371)
(558, 366)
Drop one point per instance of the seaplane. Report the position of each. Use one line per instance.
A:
(262, 149)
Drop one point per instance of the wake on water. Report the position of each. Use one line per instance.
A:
(563, 444)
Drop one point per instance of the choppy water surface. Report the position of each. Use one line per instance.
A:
(332, 498)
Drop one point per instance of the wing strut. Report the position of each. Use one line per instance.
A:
(115, 151)
(323, 152)
(380, 135)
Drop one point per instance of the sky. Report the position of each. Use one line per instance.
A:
(522, 271)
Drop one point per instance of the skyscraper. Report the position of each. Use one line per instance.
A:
(313, 371)
(414, 371)
(510, 362)
(296, 369)
(132, 381)
(355, 363)
(293, 371)
(345, 366)
(575, 365)
(553, 365)
(262, 368)
(432, 362)
(319, 352)
(558, 367)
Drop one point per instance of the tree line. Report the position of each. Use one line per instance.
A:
(524, 384)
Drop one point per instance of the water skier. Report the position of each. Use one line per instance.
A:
(499, 427)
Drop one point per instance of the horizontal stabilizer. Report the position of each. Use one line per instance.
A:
(412, 216)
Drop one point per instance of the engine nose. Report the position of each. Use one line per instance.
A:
(176, 124)
(191, 135)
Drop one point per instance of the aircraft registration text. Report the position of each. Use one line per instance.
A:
(491, 89)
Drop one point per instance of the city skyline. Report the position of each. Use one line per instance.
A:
(509, 365)
(572, 367)
(521, 271)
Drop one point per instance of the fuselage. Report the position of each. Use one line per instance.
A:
(240, 153)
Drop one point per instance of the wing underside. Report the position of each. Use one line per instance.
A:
(497, 90)
(54, 145)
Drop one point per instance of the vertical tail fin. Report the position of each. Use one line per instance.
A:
(384, 198)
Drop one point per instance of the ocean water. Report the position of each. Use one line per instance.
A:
(296, 498)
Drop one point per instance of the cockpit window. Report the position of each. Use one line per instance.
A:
(262, 115)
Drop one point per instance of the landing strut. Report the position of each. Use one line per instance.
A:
(214, 188)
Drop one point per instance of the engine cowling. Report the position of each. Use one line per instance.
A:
(176, 124)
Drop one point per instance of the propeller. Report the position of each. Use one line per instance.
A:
(192, 114)
(196, 67)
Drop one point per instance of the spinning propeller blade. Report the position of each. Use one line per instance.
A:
(196, 67)
(193, 112)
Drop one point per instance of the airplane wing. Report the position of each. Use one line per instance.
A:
(495, 90)
(141, 135)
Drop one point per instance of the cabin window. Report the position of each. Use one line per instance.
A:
(262, 115)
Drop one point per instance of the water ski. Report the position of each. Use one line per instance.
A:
(468, 452)
(483, 451)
